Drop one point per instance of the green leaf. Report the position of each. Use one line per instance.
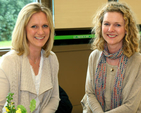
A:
(23, 110)
(32, 105)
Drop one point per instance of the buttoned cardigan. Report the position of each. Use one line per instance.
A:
(131, 92)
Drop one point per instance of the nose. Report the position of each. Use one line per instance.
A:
(40, 31)
(111, 28)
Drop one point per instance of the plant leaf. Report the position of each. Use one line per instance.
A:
(32, 105)
(23, 110)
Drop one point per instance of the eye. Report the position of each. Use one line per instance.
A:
(106, 24)
(34, 26)
(118, 25)
(45, 26)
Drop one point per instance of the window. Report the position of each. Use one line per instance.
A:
(9, 10)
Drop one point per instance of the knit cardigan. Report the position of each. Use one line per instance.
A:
(131, 93)
(16, 77)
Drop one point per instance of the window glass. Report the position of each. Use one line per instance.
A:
(9, 10)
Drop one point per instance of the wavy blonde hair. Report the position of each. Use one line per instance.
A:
(19, 39)
(131, 39)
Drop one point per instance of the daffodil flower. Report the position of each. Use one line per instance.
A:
(7, 109)
(18, 111)
(10, 108)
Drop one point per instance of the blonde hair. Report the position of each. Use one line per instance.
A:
(19, 39)
(131, 39)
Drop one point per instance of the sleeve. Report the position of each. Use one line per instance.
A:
(54, 100)
(65, 105)
(91, 98)
(132, 103)
(4, 87)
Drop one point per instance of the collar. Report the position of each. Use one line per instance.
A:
(27, 83)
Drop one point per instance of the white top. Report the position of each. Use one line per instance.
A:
(36, 80)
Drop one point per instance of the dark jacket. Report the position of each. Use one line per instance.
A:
(65, 105)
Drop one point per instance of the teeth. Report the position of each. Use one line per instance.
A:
(39, 37)
(111, 35)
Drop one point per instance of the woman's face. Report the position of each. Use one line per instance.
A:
(113, 29)
(38, 30)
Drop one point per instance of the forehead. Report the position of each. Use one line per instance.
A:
(113, 17)
(38, 17)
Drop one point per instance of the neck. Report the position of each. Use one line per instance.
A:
(34, 55)
(114, 49)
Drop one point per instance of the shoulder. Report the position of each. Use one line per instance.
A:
(94, 59)
(9, 58)
(135, 58)
(53, 60)
(10, 63)
(95, 54)
(51, 56)
(134, 62)
(11, 54)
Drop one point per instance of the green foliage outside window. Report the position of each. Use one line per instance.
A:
(9, 10)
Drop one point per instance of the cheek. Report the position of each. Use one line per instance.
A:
(122, 31)
(47, 31)
(104, 30)
(30, 31)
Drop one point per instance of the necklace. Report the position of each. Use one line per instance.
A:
(34, 61)
(112, 69)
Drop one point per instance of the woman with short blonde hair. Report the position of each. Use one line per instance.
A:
(32, 71)
(19, 40)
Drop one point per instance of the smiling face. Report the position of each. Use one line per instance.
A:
(38, 30)
(113, 29)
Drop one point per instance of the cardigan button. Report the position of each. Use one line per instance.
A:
(112, 69)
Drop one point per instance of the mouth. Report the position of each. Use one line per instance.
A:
(39, 38)
(111, 35)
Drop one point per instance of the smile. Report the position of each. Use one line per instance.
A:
(112, 36)
(39, 38)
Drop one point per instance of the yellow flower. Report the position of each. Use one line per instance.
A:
(18, 111)
(7, 109)
(12, 103)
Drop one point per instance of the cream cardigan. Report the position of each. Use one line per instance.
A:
(15, 76)
(131, 94)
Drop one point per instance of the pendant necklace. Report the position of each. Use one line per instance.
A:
(33, 61)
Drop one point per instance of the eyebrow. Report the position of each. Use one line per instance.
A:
(114, 22)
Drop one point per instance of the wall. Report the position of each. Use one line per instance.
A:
(75, 13)
(135, 6)
(73, 61)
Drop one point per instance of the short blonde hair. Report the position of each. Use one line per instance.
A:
(131, 39)
(19, 39)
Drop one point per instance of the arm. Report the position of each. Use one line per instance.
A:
(91, 98)
(54, 100)
(4, 87)
(65, 105)
(133, 100)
